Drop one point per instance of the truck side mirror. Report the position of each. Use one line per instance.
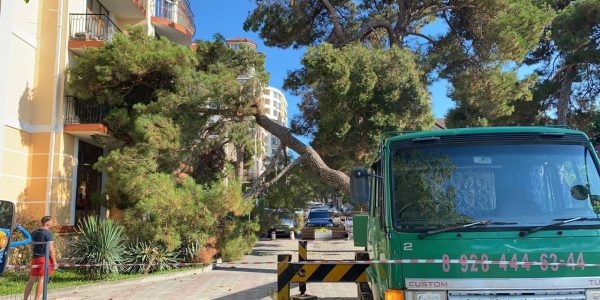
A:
(7, 219)
(359, 185)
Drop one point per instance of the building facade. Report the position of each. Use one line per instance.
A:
(48, 140)
(276, 110)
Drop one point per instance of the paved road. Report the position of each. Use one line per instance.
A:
(229, 282)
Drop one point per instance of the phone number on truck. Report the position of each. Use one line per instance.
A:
(482, 263)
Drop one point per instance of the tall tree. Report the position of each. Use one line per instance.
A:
(176, 110)
(482, 37)
(568, 56)
(352, 95)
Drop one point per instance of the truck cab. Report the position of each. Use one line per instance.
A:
(482, 213)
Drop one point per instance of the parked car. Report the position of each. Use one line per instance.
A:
(319, 218)
(284, 223)
(347, 208)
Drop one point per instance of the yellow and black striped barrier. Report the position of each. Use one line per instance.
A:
(302, 256)
(288, 272)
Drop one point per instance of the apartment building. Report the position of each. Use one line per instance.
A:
(266, 144)
(275, 108)
(48, 141)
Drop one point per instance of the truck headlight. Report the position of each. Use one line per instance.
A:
(427, 295)
(592, 294)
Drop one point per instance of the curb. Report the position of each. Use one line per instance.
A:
(65, 292)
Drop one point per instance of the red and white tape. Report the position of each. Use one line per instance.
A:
(365, 262)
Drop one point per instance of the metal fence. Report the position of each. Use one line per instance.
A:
(83, 112)
(92, 27)
(165, 9)
(176, 11)
(185, 16)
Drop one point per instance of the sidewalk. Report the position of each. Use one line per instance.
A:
(225, 282)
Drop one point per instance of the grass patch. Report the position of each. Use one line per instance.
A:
(14, 282)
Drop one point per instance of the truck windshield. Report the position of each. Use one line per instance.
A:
(510, 185)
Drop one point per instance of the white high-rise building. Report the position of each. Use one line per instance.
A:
(266, 144)
(276, 110)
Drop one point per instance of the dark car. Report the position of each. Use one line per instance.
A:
(319, 218)
(284, 223)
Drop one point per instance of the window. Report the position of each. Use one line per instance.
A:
(519, 185)
(274, 141)
(277, 105)
(267, 101)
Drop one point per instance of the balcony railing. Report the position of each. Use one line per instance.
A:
(185, 16)
(91, 27)
(177, 11)
(83, 112)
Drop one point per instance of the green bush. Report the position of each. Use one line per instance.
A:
(150, 257)
(98, 242)
(237, 238)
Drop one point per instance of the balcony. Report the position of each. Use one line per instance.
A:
(84, 118)
(127, 9)
(174, 20)
(90, 30)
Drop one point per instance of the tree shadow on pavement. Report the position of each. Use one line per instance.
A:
(250, 270)
(268, 245)
(259, 292)
(265, 252)
(265, 292)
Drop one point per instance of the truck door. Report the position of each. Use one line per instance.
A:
(377, 241)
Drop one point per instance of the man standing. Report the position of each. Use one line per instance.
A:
(42, 238)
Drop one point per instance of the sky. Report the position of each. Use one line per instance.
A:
(227, 18)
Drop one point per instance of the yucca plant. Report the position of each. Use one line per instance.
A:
(147, 257)
(188, 252)
(98, 242)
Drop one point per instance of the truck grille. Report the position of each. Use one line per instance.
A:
(517, 295)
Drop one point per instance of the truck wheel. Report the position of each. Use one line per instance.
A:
(364, 291)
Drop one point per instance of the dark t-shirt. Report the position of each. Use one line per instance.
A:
(40, 236)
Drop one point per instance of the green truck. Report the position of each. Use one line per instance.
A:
(481, 213)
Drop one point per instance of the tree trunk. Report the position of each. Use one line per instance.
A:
(263, 186)
(239, 163)
(562, 108)
(310, 157)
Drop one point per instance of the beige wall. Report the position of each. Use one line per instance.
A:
(62, 186)
(15, 161)
(26, 111)
(18, 37)
(46, 56)
(28, 33)
(23, 176)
